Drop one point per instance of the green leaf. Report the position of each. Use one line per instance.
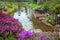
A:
(1, 38)
(11, 38)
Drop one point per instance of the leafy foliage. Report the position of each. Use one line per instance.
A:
(53, 6)
(11, 38)
(1, 38)
(1, 5)
(8, 7)
(11, 7)
(51, 20)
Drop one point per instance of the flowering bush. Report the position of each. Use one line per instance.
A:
(8, 25)
(25, 35)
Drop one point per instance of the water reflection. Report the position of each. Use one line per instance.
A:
(23, 18)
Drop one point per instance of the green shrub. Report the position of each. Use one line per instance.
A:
(1, 5)
(1, 38)
(11, 38)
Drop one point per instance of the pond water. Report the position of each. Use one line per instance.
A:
(24, 18)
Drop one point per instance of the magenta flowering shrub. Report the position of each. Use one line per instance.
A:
(44, 38)
(24, 35)
(9, 23)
